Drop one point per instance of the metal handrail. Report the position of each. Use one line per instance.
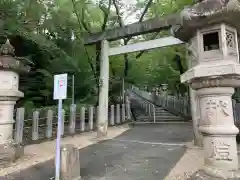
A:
(154, 109)
(151, 104)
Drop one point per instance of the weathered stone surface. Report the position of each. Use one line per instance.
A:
(214, 73)
(148, 26)
(207, 12)
(10, 152)
(201, 175)
(102, 130)
(70, 163)
(8, 61)
(19, 151)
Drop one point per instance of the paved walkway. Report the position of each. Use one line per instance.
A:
(143, 152)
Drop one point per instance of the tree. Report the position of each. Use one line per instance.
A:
(48, 34)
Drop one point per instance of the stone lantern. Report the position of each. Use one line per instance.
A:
(9, 94)
(164, 89)
(211, 28)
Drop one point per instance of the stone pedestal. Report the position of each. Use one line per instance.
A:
(219, 131)
(201, 175)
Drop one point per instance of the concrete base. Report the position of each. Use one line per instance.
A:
(201, 175)
(10, 152)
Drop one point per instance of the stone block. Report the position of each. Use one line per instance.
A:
(219, 69)
(70, 163)
(201, 175)
(10, 152)
(19, 151)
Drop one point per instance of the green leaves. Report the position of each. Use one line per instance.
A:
(51, 38)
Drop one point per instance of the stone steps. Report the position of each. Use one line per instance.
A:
(161, 115)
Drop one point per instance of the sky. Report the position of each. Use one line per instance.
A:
(129, 19)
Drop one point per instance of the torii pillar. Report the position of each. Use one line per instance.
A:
(210, 27)
(102, 114)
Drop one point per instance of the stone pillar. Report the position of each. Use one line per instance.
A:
(9, 94)
(102, 117)
(70, 163)
(195, 109)
(198, 138)
(213, 48)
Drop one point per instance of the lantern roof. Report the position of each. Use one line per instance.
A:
(8, 61)
(206, 13)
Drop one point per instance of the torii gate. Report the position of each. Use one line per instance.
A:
(153, 25)
(210, 28)
(106, 51)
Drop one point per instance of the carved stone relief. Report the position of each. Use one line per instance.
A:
(221, 151)
(224, 107)
(230, 39)
(210, 112)
(212, 108)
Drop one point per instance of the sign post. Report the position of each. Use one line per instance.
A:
(60, 93)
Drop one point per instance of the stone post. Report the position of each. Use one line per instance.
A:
(72, 119)
(128, 108)
(102, 115)
(118, 116)
(112, 121)
(49, 123)
(9, 94)
(213, 48)
(90, 118)
(70, 163)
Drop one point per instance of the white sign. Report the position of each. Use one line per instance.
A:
(60, 86)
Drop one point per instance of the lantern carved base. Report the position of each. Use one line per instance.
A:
(201, 175)
(10, 152)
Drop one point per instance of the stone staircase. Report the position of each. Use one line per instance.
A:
(161, 115)
(144, 115)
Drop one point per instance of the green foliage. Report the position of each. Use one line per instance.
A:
(48, 34)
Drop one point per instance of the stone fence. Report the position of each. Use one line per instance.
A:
(42, 125)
